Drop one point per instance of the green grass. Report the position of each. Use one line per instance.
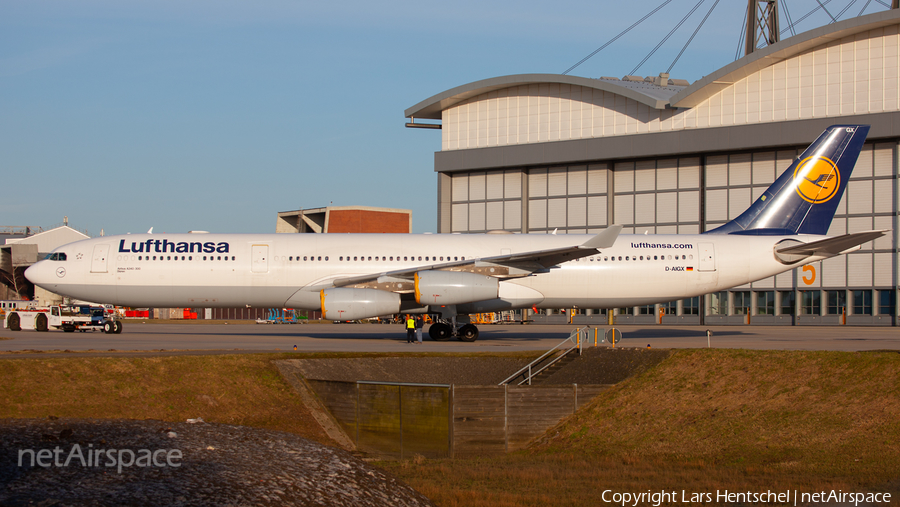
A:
(703, 420)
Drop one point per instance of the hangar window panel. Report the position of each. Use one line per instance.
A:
(885, 242)
(577, 180)
(537, 214)
(689, 206)
(689, 229)
(717, 171)
(667, 207)
(624, 177)
(884, 196)
(834, 272)
(512, 182)
(883, 159)
(863, 167)
(556, 181)
(739, 169)
(476, 216)
(644, 208)
(460, 187)
(556, 213)
(494, 184)
(859, 197)
(494, 216)
(624, 209)
(667, 229)
(597, 210)
(765, 283)
(716, 205)
(738, 201)
(784, 160)
(689, 172)
(859, 269)
(460, 221)
(537, 183)
(838, 226)
(512, 215)
(645, 175)
(883, 272)
(784, 280)
(476, 186)
(667, 174)
(596, 179)
(764, 168)
(860, 224)
(577, 213)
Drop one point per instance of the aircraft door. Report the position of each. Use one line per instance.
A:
(707, 257)
(98, 260)
(260, 258)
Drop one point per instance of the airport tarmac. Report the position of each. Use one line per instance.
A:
(181, 338)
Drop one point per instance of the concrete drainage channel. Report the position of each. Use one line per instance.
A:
(440, 407)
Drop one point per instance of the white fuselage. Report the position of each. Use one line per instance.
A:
(286, 270)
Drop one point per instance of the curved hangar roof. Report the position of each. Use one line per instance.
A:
(638, 89)
(671, 96)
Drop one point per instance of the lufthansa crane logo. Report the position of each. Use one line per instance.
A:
(817, 179)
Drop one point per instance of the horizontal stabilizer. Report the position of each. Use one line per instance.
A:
(832, 246)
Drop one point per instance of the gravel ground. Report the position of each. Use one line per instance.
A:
(219, 465)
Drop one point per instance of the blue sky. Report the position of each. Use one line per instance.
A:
(216, 115)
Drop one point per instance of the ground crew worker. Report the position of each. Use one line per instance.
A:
(410, 329)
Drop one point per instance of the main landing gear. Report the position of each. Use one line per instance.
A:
(442, 330)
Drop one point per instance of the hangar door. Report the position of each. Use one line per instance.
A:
(259, 255)
(98, 259)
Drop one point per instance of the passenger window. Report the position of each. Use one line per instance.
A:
(626, 257)
(370, 257)
(326, 257)
(140, 257)
(442, 257)
(354, 257)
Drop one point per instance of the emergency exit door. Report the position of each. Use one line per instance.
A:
(260, 258)
(98, 259)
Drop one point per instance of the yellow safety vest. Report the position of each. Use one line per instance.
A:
(410, 323)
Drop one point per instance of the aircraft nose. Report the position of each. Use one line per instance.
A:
(36, 273)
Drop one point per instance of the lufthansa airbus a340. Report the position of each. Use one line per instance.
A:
(354, 276)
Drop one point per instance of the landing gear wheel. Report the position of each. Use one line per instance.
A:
(118, 327)
(468, 333)
(40, 322)
(109, 327)
(13, 323)
(440, 332)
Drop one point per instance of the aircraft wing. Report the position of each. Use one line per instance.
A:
(505, 266)
(833, 246)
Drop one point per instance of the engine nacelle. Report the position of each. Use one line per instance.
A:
(454, 287)
(351, 304)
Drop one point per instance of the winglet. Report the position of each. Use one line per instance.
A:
(605, 239)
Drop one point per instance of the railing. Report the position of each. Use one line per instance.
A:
(576, 339)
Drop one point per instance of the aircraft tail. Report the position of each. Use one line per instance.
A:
(804, 198)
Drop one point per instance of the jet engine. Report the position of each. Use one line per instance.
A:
(454, 287)
(351, 304)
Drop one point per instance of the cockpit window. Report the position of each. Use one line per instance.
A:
(56, 256)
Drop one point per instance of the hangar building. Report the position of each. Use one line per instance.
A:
(535, 153)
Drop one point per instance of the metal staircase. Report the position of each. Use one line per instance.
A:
(548, 362)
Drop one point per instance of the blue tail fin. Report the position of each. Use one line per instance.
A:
(804, 198)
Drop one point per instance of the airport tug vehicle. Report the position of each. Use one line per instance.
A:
(69, 318)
